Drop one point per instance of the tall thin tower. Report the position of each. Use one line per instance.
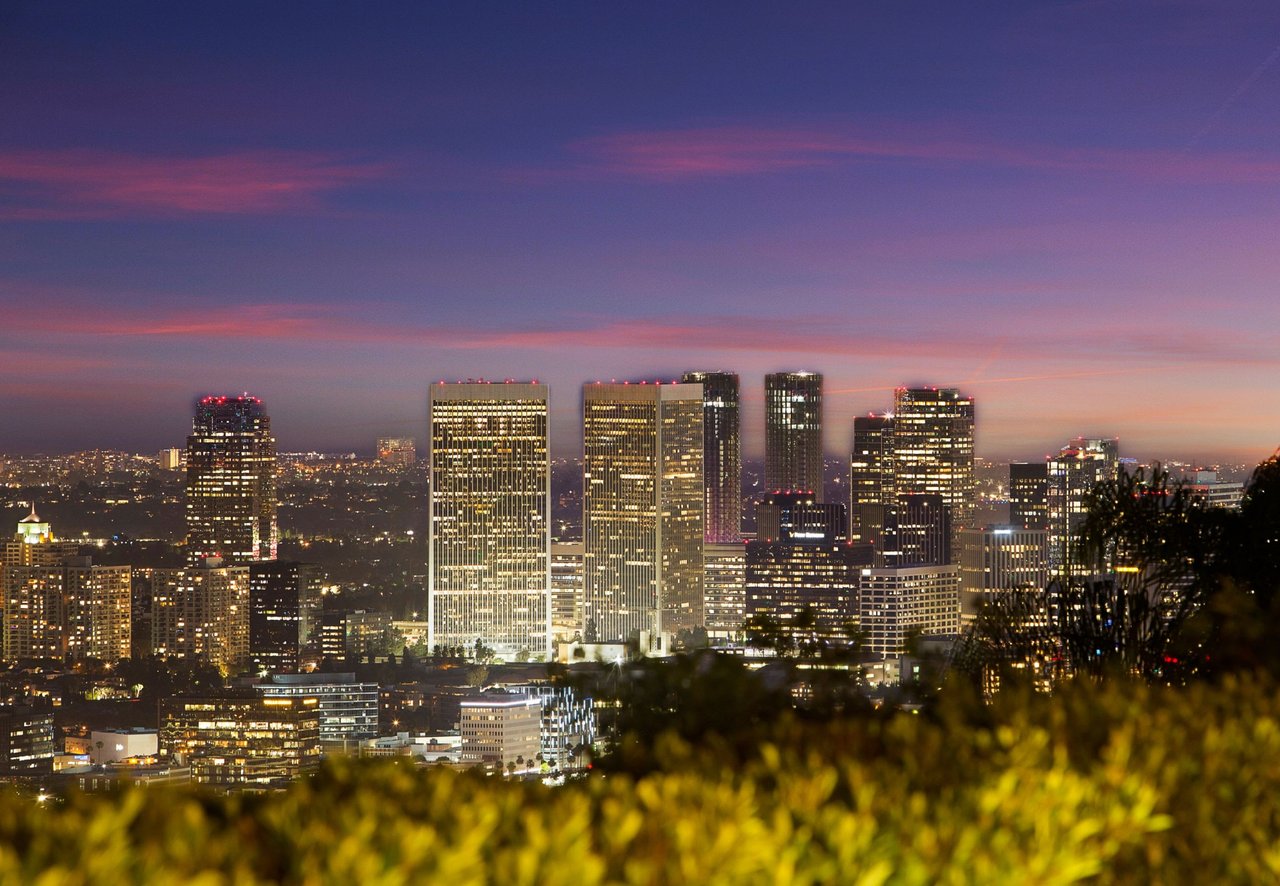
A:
(490, 528)
(793, 432)
(642, 509)
(231, 482)
(871, 478)
(721, 455)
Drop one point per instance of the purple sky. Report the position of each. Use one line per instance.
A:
(1068, 210)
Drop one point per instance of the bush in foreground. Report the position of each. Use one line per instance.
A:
(1120, 783)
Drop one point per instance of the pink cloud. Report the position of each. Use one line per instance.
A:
(737, 150)
(92, 184)
(816, 337)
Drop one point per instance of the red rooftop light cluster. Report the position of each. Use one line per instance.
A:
(222, 400)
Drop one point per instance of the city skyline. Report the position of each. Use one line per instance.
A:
(1073, 229)
(566, 442)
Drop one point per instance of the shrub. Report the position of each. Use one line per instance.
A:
(1112, 783)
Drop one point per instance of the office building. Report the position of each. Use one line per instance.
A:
(398, 452)
(236, 738)
(566, 590)
(490, 527)
(361, 634)
(71, 611)
(501, 730)
(332, 635)
(1000, 560)
(202, 612)
(284, 610)
(348, 710)
(231, 482)
(802, 572)
(895, 604)
(721, 455)
(1215, 491)
(799, 517)
(1029, 495)
(933, 449)
(793, 432)
(914, 530)
(1073, 472)
(724, 588)
(642, 510)
(26, 739)
(871, 467)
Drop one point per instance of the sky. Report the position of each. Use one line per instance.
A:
(1068, 210)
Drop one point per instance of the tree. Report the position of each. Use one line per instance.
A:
(1155, 559)
(1154, 549)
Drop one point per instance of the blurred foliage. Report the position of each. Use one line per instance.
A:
(1173, 589)
(1108, 783)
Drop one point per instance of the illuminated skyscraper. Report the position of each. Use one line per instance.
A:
(870, 470)
(722, 455)
(642, 509)
(231, 482)
(1072, 474)
(490, 539)
(793, 432)
(933, 449)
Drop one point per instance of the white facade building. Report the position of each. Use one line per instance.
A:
(501, 730)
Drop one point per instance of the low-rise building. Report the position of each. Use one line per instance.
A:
(239, 738)
(115, 745)
(501, 730)
(348, 710)
(114, 776)
(568, 721)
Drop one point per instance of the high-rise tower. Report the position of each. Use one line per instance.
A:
(793, 432)
(642, 509)
(933, 449)
(1072, 474)
(721, 455)
(490, 528)
(871, 480)
(231, 482)
(1029, 495)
